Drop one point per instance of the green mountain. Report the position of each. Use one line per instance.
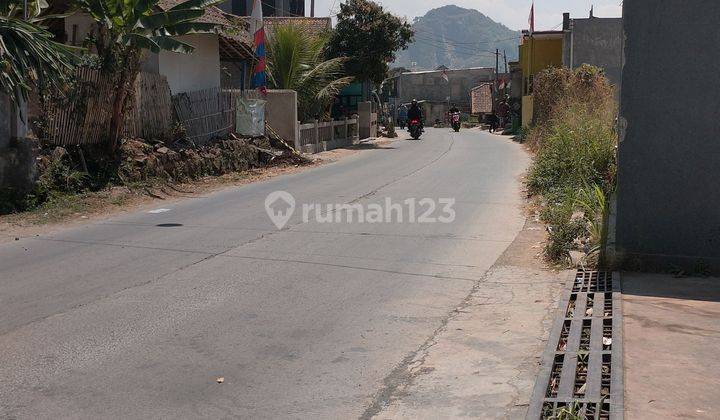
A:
(458, 38)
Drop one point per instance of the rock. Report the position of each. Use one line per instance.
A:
(163, 150)
(577, 258)
(59, 153)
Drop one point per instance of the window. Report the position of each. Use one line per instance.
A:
(268, 7)
(239, 7)
(297, 8)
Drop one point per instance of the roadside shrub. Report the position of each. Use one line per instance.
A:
(578, 149)
(564, 227)
(574, 169)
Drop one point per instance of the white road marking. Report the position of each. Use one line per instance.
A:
(156, 211)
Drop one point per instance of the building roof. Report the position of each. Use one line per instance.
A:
(449, 70)
(543, 34)
(235, 41)
(315, 25)
(212, 14)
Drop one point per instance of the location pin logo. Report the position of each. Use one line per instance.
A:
(280, 206)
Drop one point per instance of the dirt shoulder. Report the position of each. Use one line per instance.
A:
(75, 210)
(484, 360)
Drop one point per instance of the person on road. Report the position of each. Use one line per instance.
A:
(502, 112)
(493, 120)
(453, 109)
(415, 113)
(402, 116)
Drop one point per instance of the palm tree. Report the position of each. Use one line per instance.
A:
(28, 54)
(126, 28)
(297, 61)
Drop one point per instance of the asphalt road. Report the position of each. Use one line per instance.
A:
(137, 316)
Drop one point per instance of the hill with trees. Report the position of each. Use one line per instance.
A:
(457, 38)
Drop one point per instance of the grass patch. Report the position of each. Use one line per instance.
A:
(574, 169)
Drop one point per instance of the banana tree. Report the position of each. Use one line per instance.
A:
(297, 61)
(28, 54)
(127, 28)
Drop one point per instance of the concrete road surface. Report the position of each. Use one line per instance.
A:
(138, 316)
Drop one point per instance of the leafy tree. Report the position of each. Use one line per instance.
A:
(370, 37)
(297, 61)
(127, 28)
(28, 54)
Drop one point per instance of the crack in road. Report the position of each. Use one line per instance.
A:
(404, 373)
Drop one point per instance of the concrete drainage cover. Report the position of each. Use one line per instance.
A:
(581, 375)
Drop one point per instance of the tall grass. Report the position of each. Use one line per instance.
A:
(574, 168)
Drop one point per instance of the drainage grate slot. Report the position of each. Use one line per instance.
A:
(606, 376)
(608, 305)
(570, 312)
(552, 389)
(585, 335)
(607, 334)
(579, 377)
(564, 335)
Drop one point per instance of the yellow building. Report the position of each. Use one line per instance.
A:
(538, 51)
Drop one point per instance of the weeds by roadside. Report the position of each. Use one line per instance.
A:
(574, 170)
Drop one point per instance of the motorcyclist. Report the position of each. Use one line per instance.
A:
(415, 113)
(402, 116)
(454, 109)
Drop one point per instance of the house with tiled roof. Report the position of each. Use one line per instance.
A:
(229, 47)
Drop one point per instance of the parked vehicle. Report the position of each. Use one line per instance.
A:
(455, 121)
(415, 128)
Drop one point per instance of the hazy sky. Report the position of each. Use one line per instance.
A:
(511, 13)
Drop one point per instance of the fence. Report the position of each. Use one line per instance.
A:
(206, 114)
(320, 136)
(150, 117)
(83, 115)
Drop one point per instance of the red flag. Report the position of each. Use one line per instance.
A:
(531, 19)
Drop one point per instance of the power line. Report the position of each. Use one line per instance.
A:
(450, 40)
(442, 44)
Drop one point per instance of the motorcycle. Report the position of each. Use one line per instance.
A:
(456, 121)
(415, 129)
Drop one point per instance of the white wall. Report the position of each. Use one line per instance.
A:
(196, 71)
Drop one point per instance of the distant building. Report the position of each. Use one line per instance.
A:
(516, 86)
(538, 51)
(438, 94)
(595, 41)
(481, 97)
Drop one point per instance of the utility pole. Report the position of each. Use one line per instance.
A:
(497, 64)
(505, 58)
(497, 68)
(312, 8)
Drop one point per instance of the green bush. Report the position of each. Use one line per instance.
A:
(578, 149)
(574, 169)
